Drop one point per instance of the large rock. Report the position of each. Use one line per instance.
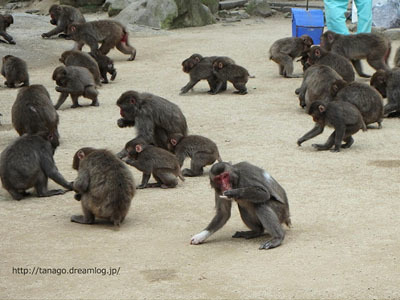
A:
(153, 13)
(82, 3)
(213, 5)
(192, 13)
(114, 7)
(259, 8)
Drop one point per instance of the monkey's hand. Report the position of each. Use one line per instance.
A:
(45, 35)
(121, 123)
(200, 237)
(299, 142)
(229, 194)
(77, 197)
(12, 42)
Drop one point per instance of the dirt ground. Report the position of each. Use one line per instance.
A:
(344, 242)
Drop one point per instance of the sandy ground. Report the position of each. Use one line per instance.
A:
(344, 242)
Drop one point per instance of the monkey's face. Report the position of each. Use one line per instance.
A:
(222, 177)
(128, 104)
(59, 76)
(55, 12)
(187, 65)
(222, 182)
(378, 81)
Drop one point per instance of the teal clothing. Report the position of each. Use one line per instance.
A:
(336, 21)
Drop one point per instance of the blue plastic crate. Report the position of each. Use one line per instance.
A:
(310, 22)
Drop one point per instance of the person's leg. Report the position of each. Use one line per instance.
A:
(364, 14)
(334, 14)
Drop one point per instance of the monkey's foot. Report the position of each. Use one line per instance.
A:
(81, 219)
(394, 114)
(52, 193)
(348, 144)
(335, 150)
(364, 75)
(77, 197)
(113, 75)
(141, 186)
(105, 81)
(190, 173)
(95, 103)
(18, 195)
(75, 105)
(248, 234)
(240, 92)
(272, 243)
(320, 147)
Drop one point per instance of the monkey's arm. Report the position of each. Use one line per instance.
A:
(68, 89)
(49, 168)
(61, 100)
(125, 123)
(81, 183)
(318, 129)
(218, 87)
(60, 28)
(145, 127)
(189, 86)
(7, 37)
(223, 213)
(252, 193)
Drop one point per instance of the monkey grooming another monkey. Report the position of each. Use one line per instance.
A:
(284, 51)
(388, 85)
(364, 97)
(107, 32)
(344, 117)
(153, 160)
(106, 65)
(28, 162)
(317, 55)
(33, 111)
(372, 46)
(15, 71)
(154, 117)
(5, 22)
(105, 186)
(62, 16)
(201, 150)
(262, 203)
(82, 59)
(225, 70)
(75, 81)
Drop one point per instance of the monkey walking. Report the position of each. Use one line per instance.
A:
(262, 203)
(225, 71)
(104, 186)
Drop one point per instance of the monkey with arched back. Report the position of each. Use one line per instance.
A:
(15, 70)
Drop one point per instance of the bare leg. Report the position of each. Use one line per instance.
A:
(87, 218)
(61, 100)
(127, 49)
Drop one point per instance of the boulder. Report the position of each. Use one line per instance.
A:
(82, 3)
(114, 7)
(192, 13)
(259, 8)
(153, 13)
(213, 5)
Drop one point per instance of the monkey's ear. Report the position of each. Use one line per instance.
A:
(197, 59)
(73, 28)
(330, 37)
(318, 52)
(132, 100)
(138, 148)
(321, 108)
(174, 142)
(220, 65)
(190, 65)
(80, 154)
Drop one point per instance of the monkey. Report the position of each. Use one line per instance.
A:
(28, 162)
(365, 98)
(82, 59)
(388, 85)
(224, 70)
(154, 117)
(152, 160)
(317, 55)
(316, 85)
(75, 81)
(5, 21)
(201, 150)
(372, 46)
(198, 68)
(397, 58)
(106, 65)
(104, 186)
(108, 32)
(62, 16)
(33, 112)
(284, 51)
(15, 70)
(343, 116)
(262, 203)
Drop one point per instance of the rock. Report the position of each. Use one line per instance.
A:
(393, 33)
(153, 13)
(259, 8)
(82, 3)
(213, 5)
(114, 7)
(192, 13)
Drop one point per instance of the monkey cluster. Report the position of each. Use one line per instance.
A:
(104, 184)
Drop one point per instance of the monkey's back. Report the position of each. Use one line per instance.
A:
(156, 158)
(106, 28)
(289, 45)
(15, 69)
(193, 144)
(111, 185)
(82, 59)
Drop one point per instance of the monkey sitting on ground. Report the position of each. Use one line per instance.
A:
(108, 32)
(75, 81)
(365, 98)
(316, 85)
(201, 150)
(388, 85)
(151, 160)
(262, 203)
(372, 46)
(81, 59)
(284, 51)
(62, 16)
(317, 55)
(28, 162)
(154, 117)
(344, 117)
(106, 65)
(15, 71)
(224, 70)
(199, 68)
(5, 22)
(105, 186)
(33, 111)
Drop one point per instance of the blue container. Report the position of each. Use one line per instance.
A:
(310, 22)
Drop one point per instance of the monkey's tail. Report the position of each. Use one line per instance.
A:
(180, 175)
(364, 127)
(125, 36)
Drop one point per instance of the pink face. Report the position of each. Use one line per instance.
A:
(121, 112)
(223, 182)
